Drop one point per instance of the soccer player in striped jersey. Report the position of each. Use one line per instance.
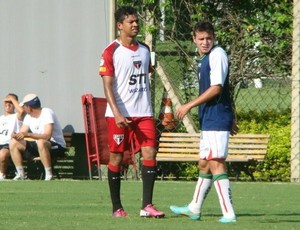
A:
(216, 118)
(125, 67)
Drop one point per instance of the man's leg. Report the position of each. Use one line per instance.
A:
(149, 170)
(193, 210)
(222, 186)
(217, 143)
(4, 159)
(45, 155)
(117, 141)
(201, 191)
(16, 149)
(114, 182)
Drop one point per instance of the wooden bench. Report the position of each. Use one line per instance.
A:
(243, 149)
(62, 166)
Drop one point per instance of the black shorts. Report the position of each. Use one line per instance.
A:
(6, 146)
(31, 150)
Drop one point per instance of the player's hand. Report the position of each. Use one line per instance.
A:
(182, 111)
(18, 136)
(122, 122)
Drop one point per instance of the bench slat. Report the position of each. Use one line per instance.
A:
(246, 141)
(180, 139)
(256, 153)
(245, 135)
(248, 146)
(196, 151)
(179, 145)
(196, 146)
(165, 134)
(247, 151)
(193, 157)
(178, 150)
(239, 135)
(196, 140)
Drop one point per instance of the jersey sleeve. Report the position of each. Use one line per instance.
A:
(106, 67)
(219, 66)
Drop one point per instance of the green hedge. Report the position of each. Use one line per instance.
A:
(276, 166)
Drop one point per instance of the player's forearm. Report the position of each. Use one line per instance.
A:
(208, 95)
(110, 97)
(36, 136)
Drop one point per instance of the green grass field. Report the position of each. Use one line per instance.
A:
(86, 205)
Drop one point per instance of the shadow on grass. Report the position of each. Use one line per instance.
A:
(272, 218)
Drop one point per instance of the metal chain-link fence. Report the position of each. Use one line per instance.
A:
(260, 78)
(258, 39)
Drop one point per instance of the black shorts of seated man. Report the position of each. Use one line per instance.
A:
(40, 135)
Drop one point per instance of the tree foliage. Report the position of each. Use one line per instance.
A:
(256, 34)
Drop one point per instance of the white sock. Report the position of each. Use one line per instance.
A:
(48, 172)
(222, 186)
(20, 170)
(202, 189)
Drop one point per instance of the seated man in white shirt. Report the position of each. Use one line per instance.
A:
(40, 135)
(10, 122)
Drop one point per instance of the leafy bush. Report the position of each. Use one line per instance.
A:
(276, 165)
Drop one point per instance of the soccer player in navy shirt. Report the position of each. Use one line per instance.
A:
(216, 118)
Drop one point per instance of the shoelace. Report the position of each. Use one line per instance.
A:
(152, 206)
(121, 211)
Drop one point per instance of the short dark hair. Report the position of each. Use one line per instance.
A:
(123, 12)
(14, 95)
(204, 26)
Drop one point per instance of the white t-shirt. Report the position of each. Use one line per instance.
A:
(8, 125)
(37, 125)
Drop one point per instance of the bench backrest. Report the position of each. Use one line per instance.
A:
(185, 147)
(68, 138)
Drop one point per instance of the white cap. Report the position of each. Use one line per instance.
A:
(31, 100)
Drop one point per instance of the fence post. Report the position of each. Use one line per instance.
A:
(295, 128)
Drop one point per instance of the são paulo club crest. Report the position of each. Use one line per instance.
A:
(118, 138)
(137, 64)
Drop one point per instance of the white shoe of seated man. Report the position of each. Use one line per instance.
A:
(2, 176)
(19, 177)
(47, 178)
